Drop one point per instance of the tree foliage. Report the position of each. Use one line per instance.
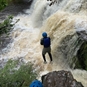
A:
(6, 25)
(4, 3)
(16, 74)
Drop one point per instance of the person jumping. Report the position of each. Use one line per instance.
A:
(46, 42)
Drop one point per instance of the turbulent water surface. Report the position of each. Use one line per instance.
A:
(61, 20)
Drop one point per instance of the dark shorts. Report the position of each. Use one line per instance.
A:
(46, 50)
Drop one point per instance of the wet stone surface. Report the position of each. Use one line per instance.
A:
(60, 79)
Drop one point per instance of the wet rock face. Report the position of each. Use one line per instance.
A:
(4, 41)
(82, 35)
(60, 79)
(15, 8)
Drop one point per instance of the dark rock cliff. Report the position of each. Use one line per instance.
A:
(60, 79)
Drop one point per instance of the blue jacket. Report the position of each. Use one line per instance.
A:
(45, 42)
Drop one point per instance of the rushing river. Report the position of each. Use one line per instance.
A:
(61, 19)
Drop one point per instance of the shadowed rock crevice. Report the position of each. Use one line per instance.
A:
(82, 51)
(82, 57)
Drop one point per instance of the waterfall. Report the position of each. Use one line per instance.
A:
(61, 20)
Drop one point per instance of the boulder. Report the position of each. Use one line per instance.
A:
(60, 79)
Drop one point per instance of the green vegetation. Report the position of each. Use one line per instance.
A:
(13, 76)
(6, 26)
(4, 3)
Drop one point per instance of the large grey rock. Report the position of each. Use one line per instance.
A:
(60, 79)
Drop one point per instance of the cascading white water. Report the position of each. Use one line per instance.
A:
(58, 24)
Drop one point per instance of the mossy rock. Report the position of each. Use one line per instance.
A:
(82, 57)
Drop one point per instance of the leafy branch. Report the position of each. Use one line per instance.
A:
(7, 25)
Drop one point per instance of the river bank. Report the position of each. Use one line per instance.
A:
(14, 10)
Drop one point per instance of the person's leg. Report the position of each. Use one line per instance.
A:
(43, 54)
(49, 52)
(44, 57)
(50, 56)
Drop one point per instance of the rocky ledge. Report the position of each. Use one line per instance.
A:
(60, 79)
